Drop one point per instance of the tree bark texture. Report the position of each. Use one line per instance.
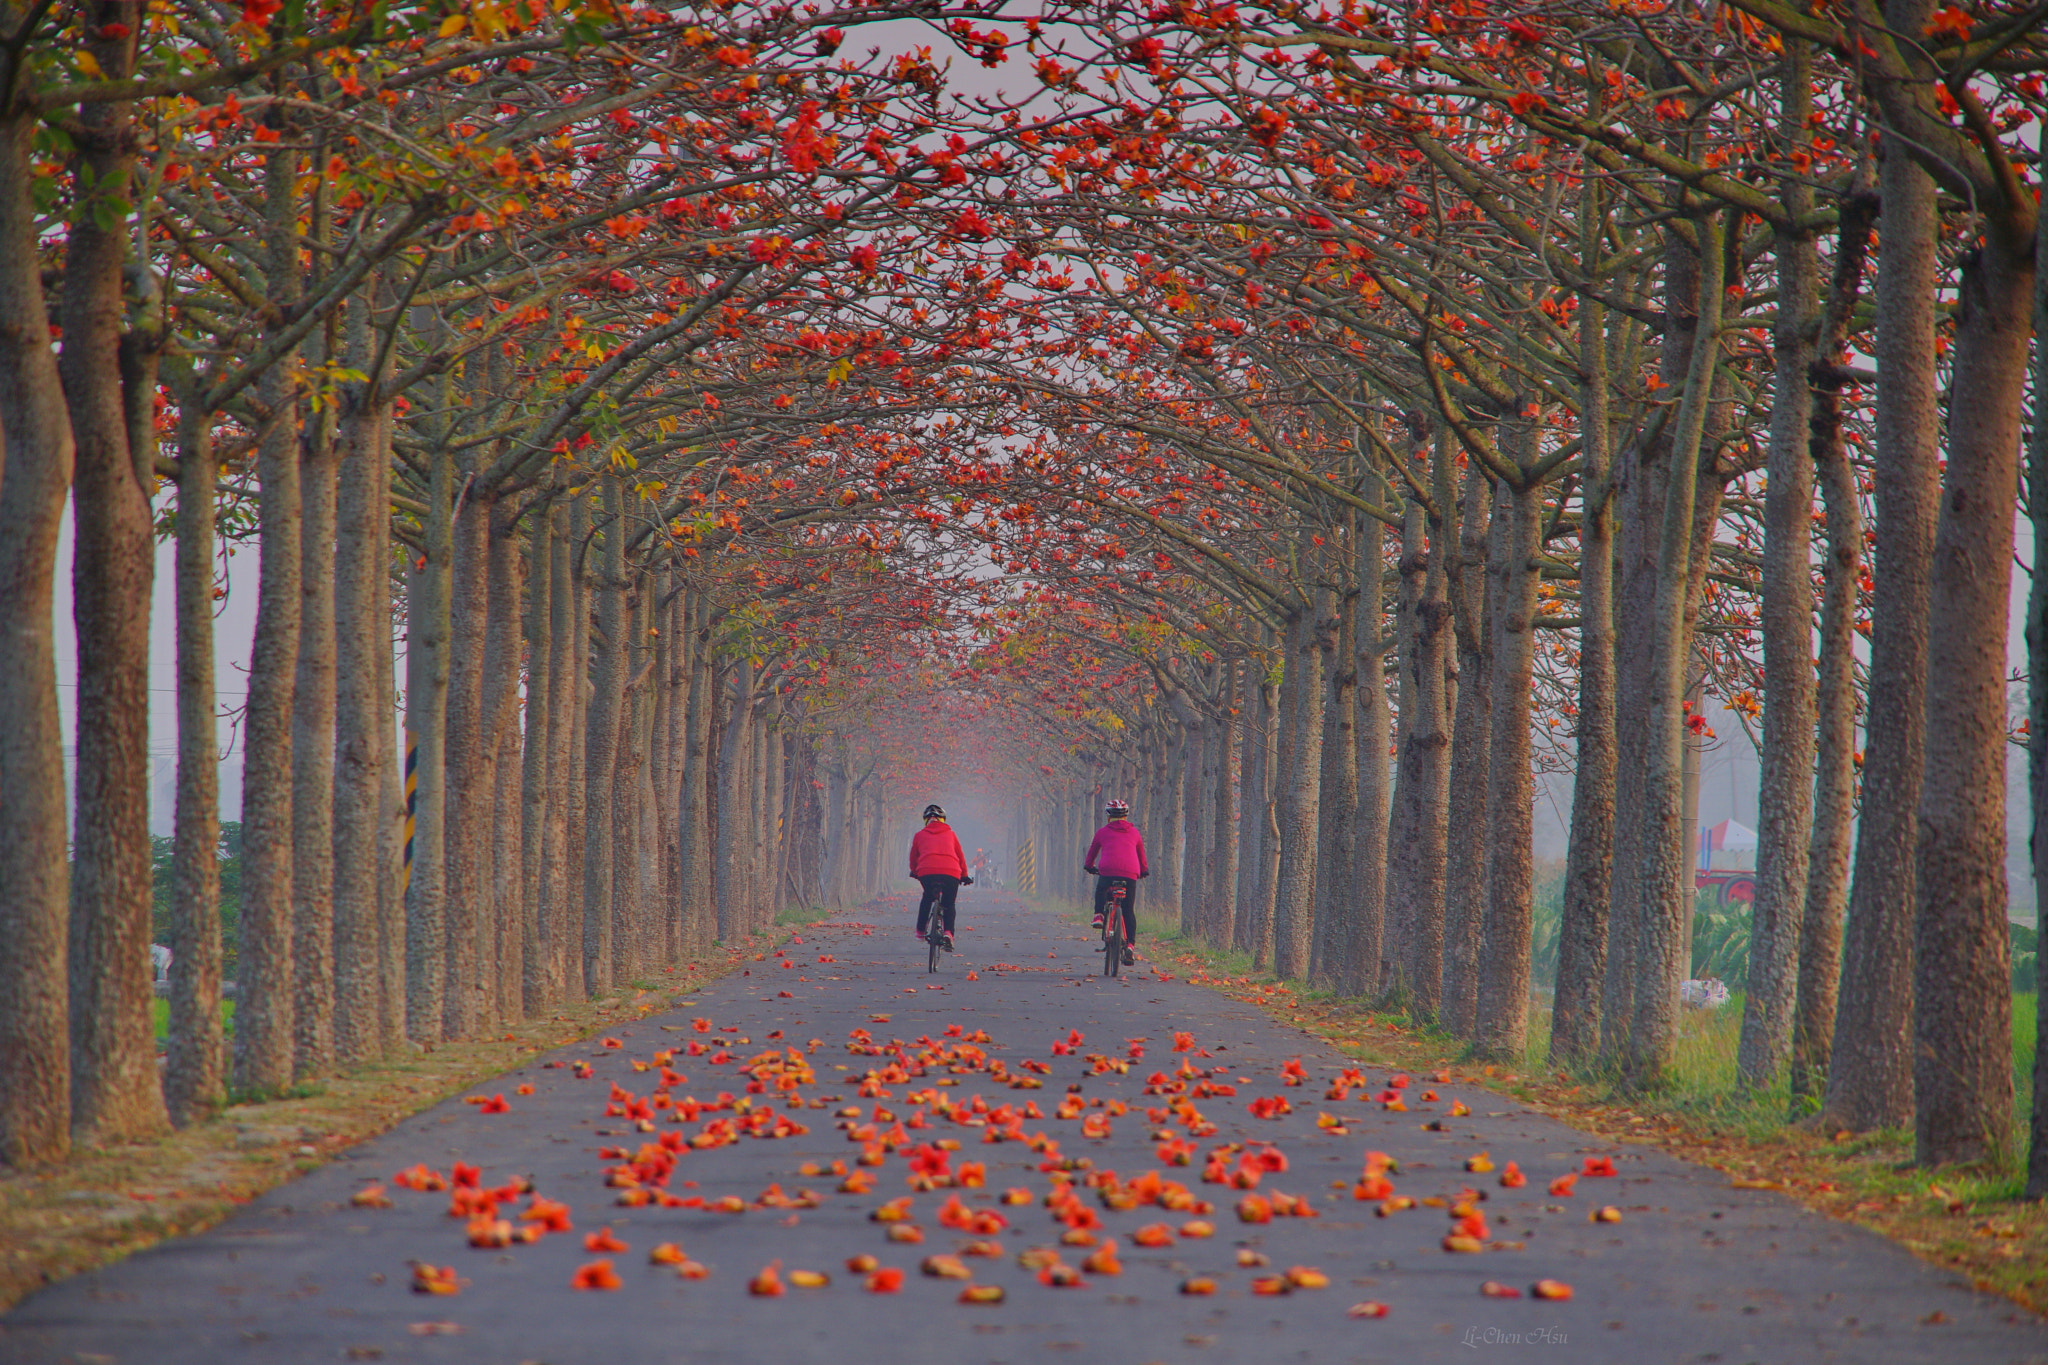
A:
(263, 1005)
(1962, 975)
(1785, 789)
(1466, 857)
(115, 1094)
(1870, 1071)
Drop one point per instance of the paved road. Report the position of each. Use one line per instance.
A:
(1695, 1271)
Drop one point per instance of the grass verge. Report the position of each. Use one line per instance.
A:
(1971, 1220)
(105, 1204)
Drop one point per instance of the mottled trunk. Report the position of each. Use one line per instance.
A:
(1198, 752)
(263, 1005)
(606, 587)
(1252, 912)
(1482, 530)
(362, 627)
(1223, 852)
(734, 748)
(2037, 714)
(499, 943)
(115, 1095)
(774, 825)
(1834, 795)
(426, 717)
(624, 821)
(700, 919)
(391, 823)
(539, 987)
(1337, 851)
(35, 1046)
(1665, 882)
(577, 713)
(471, 782)
(1362, 970)
(1300, 790)
(1589, 860)
(1415, 876)
(314, 702)
(1166, 855)
(561, 888)
(672, 726)
(1502, 1015)
(1962, 975)
(194, 1079)
(1785, 787)
(1644, 474)
(1870, 1070)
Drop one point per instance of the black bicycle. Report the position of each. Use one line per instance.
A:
(935, 932)
(1113, 933)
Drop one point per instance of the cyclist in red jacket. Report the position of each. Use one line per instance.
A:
(1117, 856)
(938, 861)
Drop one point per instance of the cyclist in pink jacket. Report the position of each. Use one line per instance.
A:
(1116, 855)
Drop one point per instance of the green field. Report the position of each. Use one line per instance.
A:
(160, 1012)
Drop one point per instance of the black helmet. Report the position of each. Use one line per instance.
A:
(935, 811)
(1118, 808)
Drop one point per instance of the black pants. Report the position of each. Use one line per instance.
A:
(941, 890)
(1130, 886)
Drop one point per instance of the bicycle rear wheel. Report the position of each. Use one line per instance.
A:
(936, 939)
(1113, 947)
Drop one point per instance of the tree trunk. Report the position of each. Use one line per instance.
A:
(115, 1095)
(1223, 851)
(1415, 874)
(536, 938)
(426, 724)
(1252, 911)
(1834, 798)
(561, 890)
(1870, 1071)
(1300, 791)
(601, 744)
(1665, 882)
(362, 627)
(1168, 823)
(1362, 972)
(1785, 789)
(502, 945)
(734, 748)
(314, 703)
(1502, 1016)
(391, 825)
(1589, 861)
(194, 1080)
(540, 982)
(1337, 851)
(1962, 975)
(624, 821)
(1482, 529)
(2037, 715)
(471, 781)
(263, 1007)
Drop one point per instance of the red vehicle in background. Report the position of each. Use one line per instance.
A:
(1732, 886)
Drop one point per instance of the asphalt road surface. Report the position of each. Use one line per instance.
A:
(1694, 1270)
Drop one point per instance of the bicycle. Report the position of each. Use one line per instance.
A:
(935, 933)
(1113, 933)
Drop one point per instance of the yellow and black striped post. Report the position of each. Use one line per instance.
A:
(1027, 867)
(412, 791)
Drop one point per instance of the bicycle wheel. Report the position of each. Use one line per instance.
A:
(937, 939)
(1113, 945)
